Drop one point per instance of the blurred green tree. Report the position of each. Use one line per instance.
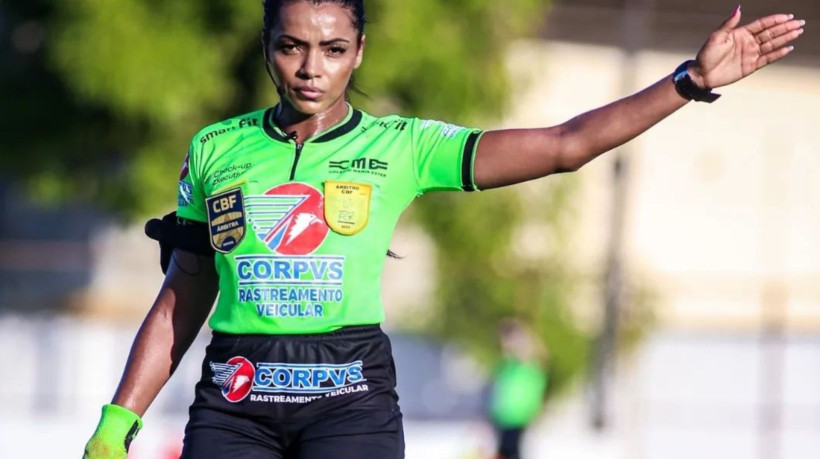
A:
(107, 95)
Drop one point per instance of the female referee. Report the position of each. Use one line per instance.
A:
(287, 213)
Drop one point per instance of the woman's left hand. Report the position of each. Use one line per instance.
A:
(733, 52)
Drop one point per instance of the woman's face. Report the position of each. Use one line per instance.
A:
(314, 50)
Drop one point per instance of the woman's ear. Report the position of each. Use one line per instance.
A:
(360, 52)
(263, 42)
(279, 89)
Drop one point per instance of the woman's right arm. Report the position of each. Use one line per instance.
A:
(181, 307)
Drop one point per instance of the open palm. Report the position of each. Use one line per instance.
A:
(733, 52)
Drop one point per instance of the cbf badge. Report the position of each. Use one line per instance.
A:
(226, 218)
(347, 206)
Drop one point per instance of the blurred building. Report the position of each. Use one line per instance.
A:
(38, 265)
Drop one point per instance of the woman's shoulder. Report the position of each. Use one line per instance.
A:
(406, 123)
(389, 123)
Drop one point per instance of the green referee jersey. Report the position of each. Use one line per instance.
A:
(517, 394)
(301, 229)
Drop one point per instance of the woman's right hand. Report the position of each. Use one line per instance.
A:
(117, 428)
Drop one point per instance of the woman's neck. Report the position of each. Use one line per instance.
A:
(304, 126)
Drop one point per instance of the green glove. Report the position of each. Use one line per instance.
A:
(117, 427)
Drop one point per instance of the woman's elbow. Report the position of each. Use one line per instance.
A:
(571, 154)
(567, 167)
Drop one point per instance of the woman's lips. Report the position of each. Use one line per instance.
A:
(308, 92)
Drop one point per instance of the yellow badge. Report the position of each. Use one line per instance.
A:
(347, 206)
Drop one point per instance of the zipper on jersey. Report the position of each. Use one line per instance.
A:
(299, 145)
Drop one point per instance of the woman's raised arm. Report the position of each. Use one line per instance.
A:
(506, 157)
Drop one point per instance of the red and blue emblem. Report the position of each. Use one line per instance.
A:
(185, 167)
(289, 218)
(235, 377)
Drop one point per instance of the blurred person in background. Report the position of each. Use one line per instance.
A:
(518, 386)
(286, 214)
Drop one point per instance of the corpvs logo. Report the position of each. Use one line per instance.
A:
(289, 218)
(235, 377)
(291, 281)
(284, 382)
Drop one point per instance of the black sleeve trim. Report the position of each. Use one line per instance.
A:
(467, 162)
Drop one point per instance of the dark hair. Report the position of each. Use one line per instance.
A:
(272, 8)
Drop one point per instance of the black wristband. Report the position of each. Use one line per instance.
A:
(687, 88)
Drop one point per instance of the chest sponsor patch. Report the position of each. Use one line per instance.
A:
(226, 219)
(288, 218)
(347, 206)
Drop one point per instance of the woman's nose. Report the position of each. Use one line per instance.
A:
(311, 66)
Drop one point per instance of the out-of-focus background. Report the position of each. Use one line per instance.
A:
(675, 281)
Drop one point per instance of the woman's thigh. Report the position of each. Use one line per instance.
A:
(356, 434)
(212, 434)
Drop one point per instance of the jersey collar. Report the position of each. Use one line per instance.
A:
(349, 123)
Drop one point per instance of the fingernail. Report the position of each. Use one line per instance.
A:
(736, 10)
(791, 16)
(800, 32)
(802, 22)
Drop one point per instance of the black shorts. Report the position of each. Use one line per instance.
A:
(297, 397)
(509, 442)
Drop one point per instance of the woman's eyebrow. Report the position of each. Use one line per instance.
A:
(321, 43)
(334, 40)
